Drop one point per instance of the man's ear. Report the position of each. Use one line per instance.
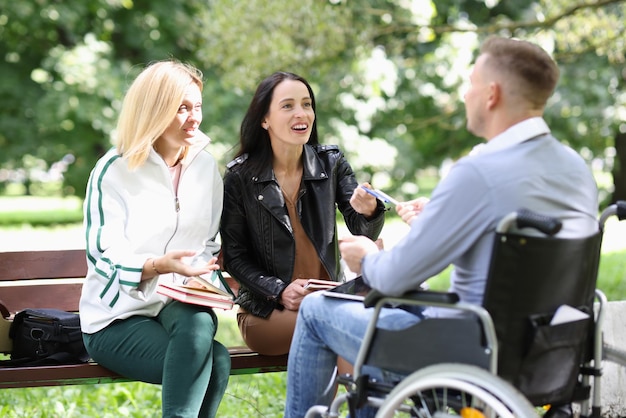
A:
(495, 93)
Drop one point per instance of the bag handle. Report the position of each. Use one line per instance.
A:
(224, 282)
(4, 311)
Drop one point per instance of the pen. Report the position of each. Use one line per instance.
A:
(381, 195)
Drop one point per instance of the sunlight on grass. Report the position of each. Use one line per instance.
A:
(227, 330)
(38, 203)
(37, 210)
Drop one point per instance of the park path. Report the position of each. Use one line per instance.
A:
(71, 237)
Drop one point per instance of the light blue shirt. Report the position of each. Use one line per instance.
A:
(516, 134)
(524, 167)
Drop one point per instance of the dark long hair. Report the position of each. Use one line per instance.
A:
(255, 140)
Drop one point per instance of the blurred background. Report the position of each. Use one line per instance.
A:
(389, 78)
(388, 75)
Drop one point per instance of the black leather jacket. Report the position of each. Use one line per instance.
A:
(257, 239)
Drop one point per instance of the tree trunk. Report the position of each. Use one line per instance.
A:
(619, 168)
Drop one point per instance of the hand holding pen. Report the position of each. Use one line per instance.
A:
(407, 210)
(382, 196)
(362, 202)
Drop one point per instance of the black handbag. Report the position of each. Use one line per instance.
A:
(46, 337)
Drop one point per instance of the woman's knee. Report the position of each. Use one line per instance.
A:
(196, 326)
(201, 330)
(221, 357)
(204, 320)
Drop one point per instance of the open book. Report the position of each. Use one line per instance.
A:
(210, 291)
(212, 281)
(319, 284)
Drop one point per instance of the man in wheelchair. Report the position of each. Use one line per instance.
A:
(521, 165)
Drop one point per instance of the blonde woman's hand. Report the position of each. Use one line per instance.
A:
(173, 262)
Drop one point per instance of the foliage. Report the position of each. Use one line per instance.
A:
(388, 74)
(259, 395)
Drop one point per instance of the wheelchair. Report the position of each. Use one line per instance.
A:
(533, 348)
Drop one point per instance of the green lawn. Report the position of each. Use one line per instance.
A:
(39, 211)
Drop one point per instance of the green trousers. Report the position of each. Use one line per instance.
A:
(175, 349)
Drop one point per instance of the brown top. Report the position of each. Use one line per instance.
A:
(307, 263)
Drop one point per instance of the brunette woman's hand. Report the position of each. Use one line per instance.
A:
(363, 202)
(293, 294)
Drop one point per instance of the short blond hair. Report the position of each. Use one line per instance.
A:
(150, 105)
(535, 73)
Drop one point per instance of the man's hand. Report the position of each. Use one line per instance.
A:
(354, 248)
(409, 210)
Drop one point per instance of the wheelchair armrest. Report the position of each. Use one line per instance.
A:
(618, 209)
(428, 296)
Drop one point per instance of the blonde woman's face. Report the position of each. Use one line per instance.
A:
(183, 129)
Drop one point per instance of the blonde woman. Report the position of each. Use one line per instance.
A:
(152, 208)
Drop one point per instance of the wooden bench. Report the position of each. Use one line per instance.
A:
(53, 279)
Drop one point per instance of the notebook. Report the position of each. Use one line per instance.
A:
(354, 289)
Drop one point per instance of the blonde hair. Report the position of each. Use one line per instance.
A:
(150, 105)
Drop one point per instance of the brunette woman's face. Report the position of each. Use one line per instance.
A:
(290, 117)
(184, 126)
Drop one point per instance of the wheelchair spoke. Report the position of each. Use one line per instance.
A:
(455, 392)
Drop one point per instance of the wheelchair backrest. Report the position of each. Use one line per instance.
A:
(529, 279)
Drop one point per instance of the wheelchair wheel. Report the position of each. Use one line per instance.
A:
(455, 390)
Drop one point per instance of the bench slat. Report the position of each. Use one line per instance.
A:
(60, 296)
(72, 374)
(244, 361)
(51, 264)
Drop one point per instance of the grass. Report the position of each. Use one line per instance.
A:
(27, 210)
(259, 395)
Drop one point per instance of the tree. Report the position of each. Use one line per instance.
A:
(429, 50)
(388, 74)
